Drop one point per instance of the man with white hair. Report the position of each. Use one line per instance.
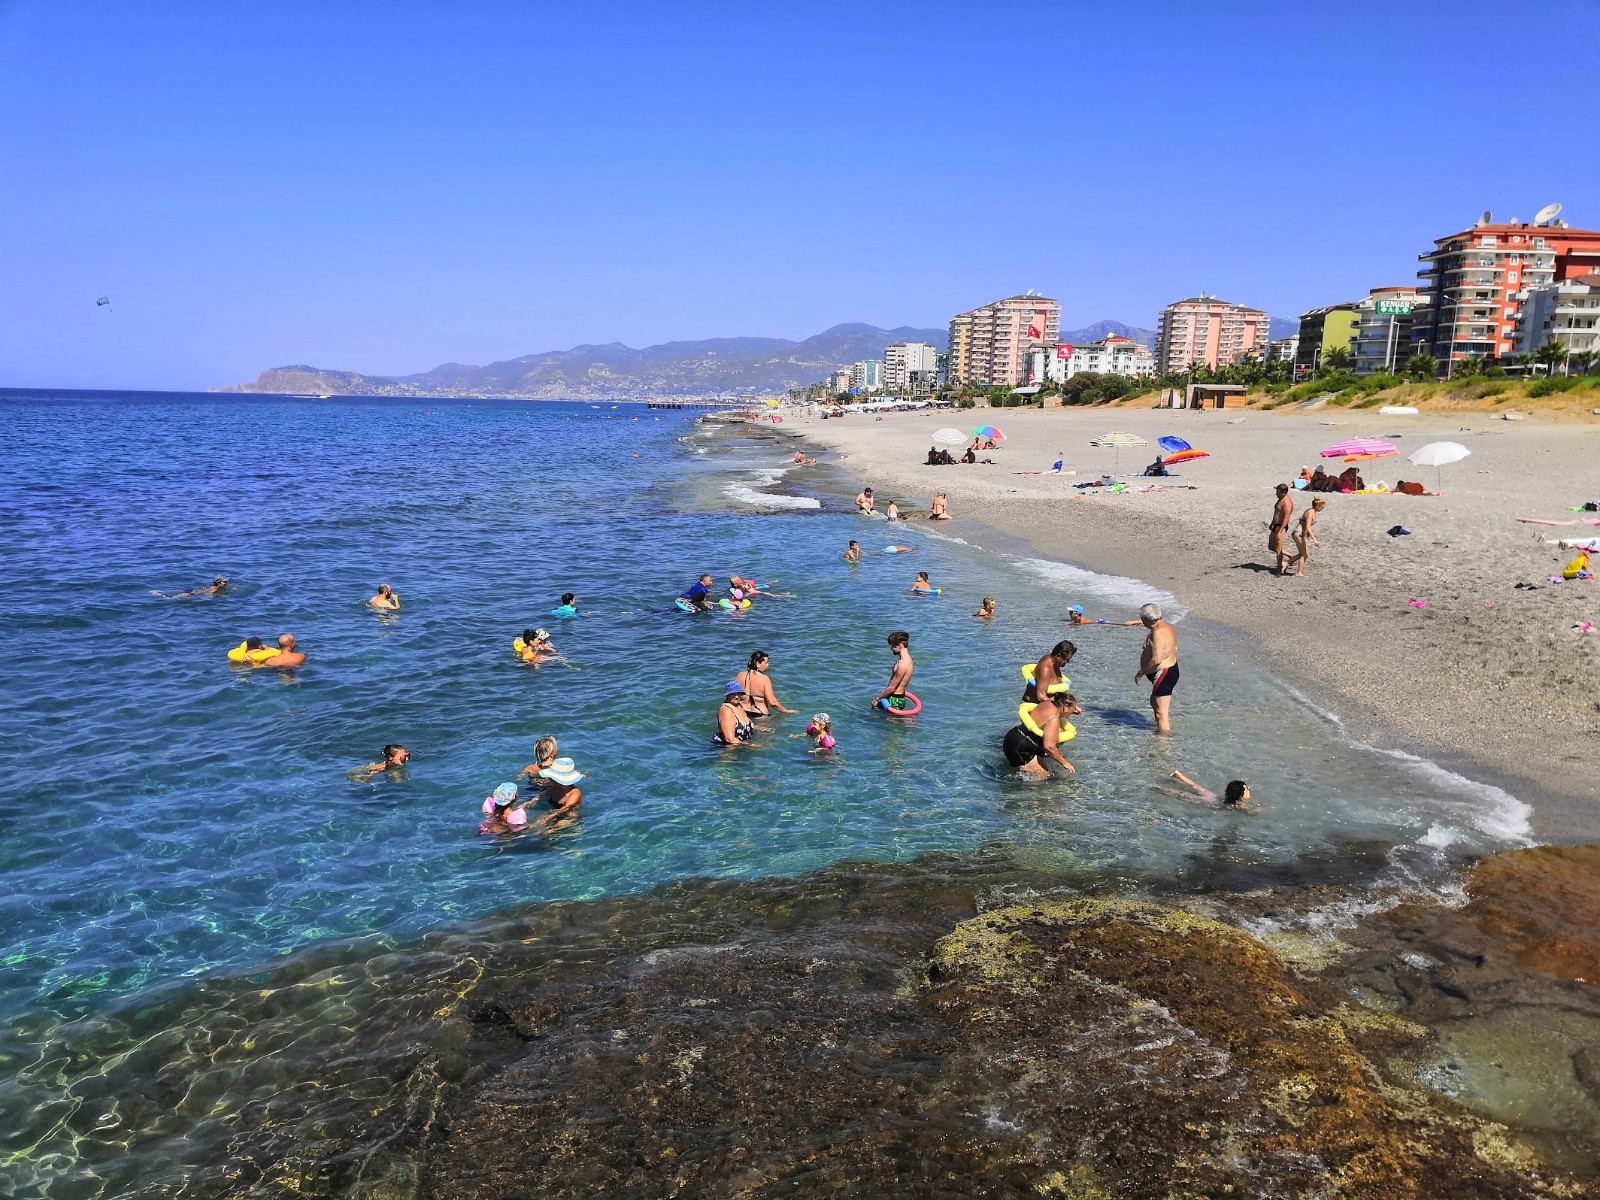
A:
(1158, 662)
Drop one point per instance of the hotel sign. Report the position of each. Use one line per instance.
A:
(1394, 308)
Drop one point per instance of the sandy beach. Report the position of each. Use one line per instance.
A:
(1488, 676)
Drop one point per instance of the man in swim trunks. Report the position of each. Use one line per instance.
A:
(1047, 672)
(864, 500)
(1278, 531)
(385, 598)
(699, 596)
(287, 655)
(900, 677)
(1158, 662)
(852, 552)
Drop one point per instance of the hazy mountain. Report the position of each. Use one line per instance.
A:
(1281, 327)
(750, 366)
(1103, 329)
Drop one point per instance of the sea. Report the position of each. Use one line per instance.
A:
(173, 824)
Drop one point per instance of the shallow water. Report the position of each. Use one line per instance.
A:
(165, 814)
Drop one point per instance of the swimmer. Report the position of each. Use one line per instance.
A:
(385, 598)
(1075, 617)
(864, 501)
(557, 780)
(898, 549)
(1026, 750)
(218, 586)
(892, 512)
(900, 677)
(1047, 671)
(287, 656)
(733, 719)
(759, 696)
(536, 644)
(505, 815)
(699, 596)
(986, 609)
(568, 606)
(395, 757)
(1235, 796)
(852, 552)
(922, 587)
(940, 509)
(820, 731)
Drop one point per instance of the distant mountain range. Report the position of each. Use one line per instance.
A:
(748, 366)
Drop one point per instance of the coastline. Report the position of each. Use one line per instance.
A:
(1488, 679)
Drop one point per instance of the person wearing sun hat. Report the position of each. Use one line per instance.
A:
(557, 780)
(733, 718)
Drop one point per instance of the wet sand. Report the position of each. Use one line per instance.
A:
(1487, 676)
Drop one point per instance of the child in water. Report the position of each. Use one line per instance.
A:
(536, 643)
(820, 731)
(504, 814)
(1235, 796)
(986, 609)
(395, 757)
(922, 587)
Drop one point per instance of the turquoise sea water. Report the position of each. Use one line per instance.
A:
(163, 813)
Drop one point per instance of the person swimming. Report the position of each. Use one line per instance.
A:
(820, 731)
(536, 644)
(503, 814)
(986, 609)
(395, 757)
(1075, 617)
(568, 606)
(922, 587)
(287, 656)
(218, 586)
(1235, 796)
(385, 598)
(852, 552)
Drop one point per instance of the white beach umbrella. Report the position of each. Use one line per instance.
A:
(1117, 439)
(949, 437)
(1440, 455)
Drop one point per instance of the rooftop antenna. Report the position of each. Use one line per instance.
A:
(1547, 214)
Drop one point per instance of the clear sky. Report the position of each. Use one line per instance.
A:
(383, 187)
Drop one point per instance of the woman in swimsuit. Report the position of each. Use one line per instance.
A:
(733, 721)
(758, 687)
(1304, 539)
(1026, 750)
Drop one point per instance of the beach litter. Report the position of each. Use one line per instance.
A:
(1584, 626)
(1416, 604)
(1399, 531)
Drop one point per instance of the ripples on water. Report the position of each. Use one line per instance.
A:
(165, 814)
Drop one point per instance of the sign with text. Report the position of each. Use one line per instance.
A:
(1394, 308)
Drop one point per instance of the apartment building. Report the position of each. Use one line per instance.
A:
(1567, 312)
(1113, 355)
(867, 376)
(1322, 331)
(1476, 282)
(1204, 329)
(989, 345)
(1383, 329)
(909, 368)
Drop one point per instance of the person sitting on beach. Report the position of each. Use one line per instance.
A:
(733, 718)
(1075, 617)
(1304, 480)
(939, 510)
(800, 460)
(1157, 468)
(1235, 796)
(933, 457)
(1320, 481)
(945, 460)
(385, 598)
(971, 456)
(864, 501)
(395, 757)
(1350, 481)
(502, 812)
(1026, 750)
(218, 586)
(852, 552)
(991, 444)
(892, 513)
(759, 695)
(287, 655)
(1047, 671)
(1304, 538)
(900, 678)
(557, 780)
(922, 587)
(698, 597)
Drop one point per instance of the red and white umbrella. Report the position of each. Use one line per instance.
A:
(1360, 448)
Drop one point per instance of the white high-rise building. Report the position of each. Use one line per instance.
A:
(1112, 355)
(867, 376)
(909, 367)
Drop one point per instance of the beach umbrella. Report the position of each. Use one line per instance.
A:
(1173, 444)
(949, 437)
(988, 431)
(1360, 448)
(1117, 439)
(1440, 455)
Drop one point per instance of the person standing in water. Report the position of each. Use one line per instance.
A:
(864, 500)
(1047, 672)
(759, 696)
(1026, 750)
(1158, 662)
(852, 552)
(385, 598)
(900, 677)
(986, 609)
(1278, 531)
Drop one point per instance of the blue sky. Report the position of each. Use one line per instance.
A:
(387, 186)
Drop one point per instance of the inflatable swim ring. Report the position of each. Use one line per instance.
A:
(563, 611)
(521, 648)
(911, 706)
(1067, 732)
(1028, 670)
(731, 606)
(242, 654)
(684, 604)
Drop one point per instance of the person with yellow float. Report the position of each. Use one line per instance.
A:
(1041, 730)
(253, 652)
(1045, 673)
(533, 645)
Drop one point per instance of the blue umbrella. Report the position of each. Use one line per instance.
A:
(1173, 444)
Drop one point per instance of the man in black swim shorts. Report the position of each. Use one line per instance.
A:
(1158, 662)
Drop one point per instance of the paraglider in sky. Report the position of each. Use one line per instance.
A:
(102, 302)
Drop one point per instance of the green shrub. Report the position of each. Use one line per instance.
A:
(1490, 389)
(1552, 384)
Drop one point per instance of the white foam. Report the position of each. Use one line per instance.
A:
(765, 477)
(1117, 589)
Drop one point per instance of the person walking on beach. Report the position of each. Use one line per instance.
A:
(1304, 538)
(1047, 672)
(900, 677)
(1278, 531)
(1158, 662)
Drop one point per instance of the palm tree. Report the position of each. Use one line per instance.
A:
(1583, 360)
(1466, 368)
(1337, 359)
(1424, 368)
(1550, 355)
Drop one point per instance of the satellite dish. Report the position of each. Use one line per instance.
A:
(1548, 213)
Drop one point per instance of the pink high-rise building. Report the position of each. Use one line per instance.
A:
(989, 345)
(1207, 330)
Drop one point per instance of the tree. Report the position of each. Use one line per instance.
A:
(1424, 368)
(1337, 359)
(1551, 355)
(1583, 360)
(1466, 368)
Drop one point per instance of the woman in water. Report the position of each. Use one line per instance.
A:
(395, 757)
(760, 698)
(733, 720)
(557, 780)
(1026, 750)
(385, 598)
(536, 645)
(1235, 796)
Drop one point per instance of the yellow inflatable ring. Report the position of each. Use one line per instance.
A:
(1067, 732)
(1028, 670)
(243, 654)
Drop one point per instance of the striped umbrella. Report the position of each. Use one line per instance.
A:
(1117, 439)
(989, 431)
(1360, 447)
